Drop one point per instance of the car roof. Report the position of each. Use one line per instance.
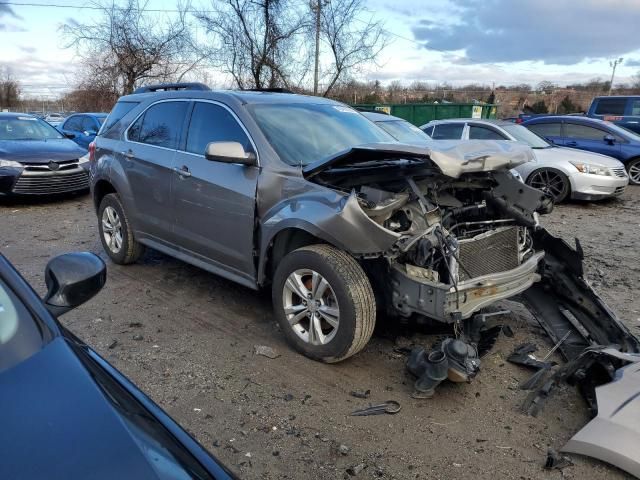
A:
(381, 117)
(242, 96)
(487, 121)
(93, 114)
(15, 115)
(565, 118)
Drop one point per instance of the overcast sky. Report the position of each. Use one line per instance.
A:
(464, 41)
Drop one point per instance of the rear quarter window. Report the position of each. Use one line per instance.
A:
(448, 131)
(119, 110)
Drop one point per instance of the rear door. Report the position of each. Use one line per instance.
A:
(214, 202)
(551, 131)
(149, 152)
(586, 137)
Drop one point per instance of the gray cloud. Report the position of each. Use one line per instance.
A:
(553, 31)
(632, 62)
(6, 10)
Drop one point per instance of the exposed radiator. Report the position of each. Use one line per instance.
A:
(490, 252)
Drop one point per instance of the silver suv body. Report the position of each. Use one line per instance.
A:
(308, 196)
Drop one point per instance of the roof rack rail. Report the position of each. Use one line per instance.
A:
(271, 90)
(165, 87)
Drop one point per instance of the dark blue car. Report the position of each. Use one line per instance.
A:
(65, 412)
(592, 135)
(82, 127)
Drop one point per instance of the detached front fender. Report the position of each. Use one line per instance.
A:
(336, 219)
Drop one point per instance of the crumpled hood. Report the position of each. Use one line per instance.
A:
(453, 157)
(575, 155)
(40, 151)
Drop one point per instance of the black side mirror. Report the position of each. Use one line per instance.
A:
(610, 139)
(70, 136)
(72, 279)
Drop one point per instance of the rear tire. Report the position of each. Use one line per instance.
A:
(324, 303)
(633, 169)
(550, 181)
(116, 233)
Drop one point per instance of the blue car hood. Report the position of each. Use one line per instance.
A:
(40, 151)
(58, 423)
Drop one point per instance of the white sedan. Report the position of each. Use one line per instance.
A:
(559, 171)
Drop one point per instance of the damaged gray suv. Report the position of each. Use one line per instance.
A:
(307, 196)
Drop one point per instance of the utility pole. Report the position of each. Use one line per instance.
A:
(614, 64)
(317, 64)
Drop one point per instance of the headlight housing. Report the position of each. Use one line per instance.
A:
(9, 163)
(592, 168)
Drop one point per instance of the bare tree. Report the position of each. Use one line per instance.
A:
(9, 90)
(127, 44)
(257, 42)
(352, 41)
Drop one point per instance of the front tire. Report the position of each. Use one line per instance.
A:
(116, 233)
(633, 169)
(552, 182)
(324, 303)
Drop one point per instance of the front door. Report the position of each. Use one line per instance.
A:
(591, 139)
(148, 156)
(214, 202)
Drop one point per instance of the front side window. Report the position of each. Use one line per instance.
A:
(88, 124)
(546, 129)
(477, 132)
(20, 335)
(429, 131)
(74, 123)
(611, 106)
(448, 131)
(160, 125)
(582, 132)
(213, 123)
(303, 133)
(26, 128)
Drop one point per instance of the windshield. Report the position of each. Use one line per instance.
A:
(523, 134)
(404, 132)
(304, 133)
(26, 128)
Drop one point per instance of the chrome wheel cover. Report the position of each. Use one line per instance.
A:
(112, 229)
(549, 182)
(311, 307)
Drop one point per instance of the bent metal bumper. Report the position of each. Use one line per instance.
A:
(445, 304)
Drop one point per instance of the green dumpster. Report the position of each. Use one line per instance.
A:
(421, 113)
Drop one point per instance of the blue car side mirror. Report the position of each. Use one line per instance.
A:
(610, 139)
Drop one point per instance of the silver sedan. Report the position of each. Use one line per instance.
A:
(561, 172)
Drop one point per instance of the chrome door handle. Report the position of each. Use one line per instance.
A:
(128, 154)
(182, 171)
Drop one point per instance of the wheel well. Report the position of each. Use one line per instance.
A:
(284, 242)
(101, 189)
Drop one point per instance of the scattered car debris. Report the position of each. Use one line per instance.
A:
(113, 345)
(523, 355)
(265, 351)
(390, 407)
(357, 394)
(556, 461)
(356, 469)
(343, 449)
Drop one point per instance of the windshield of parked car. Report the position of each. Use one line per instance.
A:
(404, 132)
(523, 134)
(26, 128)
(20, 336)
(304, 133)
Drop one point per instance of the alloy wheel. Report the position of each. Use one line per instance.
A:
(549, 182)
(112, 229)
(634, 172)
(311, 306)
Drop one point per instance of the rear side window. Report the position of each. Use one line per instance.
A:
(429, 131)
(213, 123)
(546, 129)
(74, 123)
(119, 110)
(483, 133)
(611, 106)
(573, 130)
(448, 131)
(160, 125)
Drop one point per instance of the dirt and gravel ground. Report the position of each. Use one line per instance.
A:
(187, 338)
